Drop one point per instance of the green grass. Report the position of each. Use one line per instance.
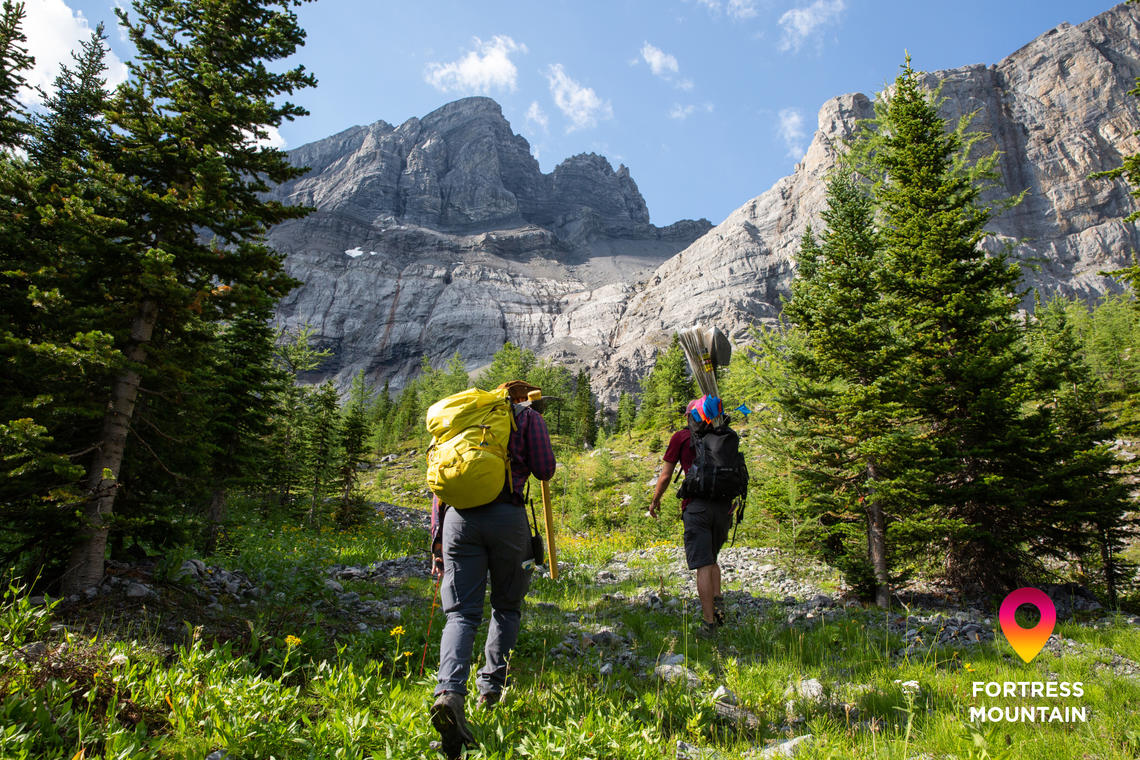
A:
(300, 684)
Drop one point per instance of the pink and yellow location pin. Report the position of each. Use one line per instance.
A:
(1027, 642)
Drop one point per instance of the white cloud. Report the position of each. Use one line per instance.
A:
(742, 9)
(660, 62)
(272, 139)
(580, 104)
(681, 112)
(54, 30)
(664, 65)
(537, 115)
(737, 9)
(792, 132)
(799, 23)
(487, 67)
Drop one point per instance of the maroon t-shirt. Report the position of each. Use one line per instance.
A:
(680, 449)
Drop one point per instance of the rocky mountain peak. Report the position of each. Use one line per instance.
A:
(443, 234)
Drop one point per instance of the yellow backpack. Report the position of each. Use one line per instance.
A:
(467, 462)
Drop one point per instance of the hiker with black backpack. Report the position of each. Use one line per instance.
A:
(481, 534)
(716, 482)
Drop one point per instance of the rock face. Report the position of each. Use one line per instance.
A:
(1057, 109)
(442, 235)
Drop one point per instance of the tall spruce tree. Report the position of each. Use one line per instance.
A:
(354, 432)
(626, 413)
(55, 341)
(584, 411)
(71, 126)
(14, 62)
(1086, 486)
(242, 388)
(323, 446)
(952, 310)
(295, 355)
(854, 438)
(187, 125)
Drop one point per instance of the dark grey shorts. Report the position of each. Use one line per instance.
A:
(706, 529)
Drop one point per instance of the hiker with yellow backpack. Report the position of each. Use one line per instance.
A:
(485, 445)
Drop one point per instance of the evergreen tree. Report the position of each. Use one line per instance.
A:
(409, 412)
(323, 441)
(14, 61)
(1110, 344)
(584, 411)
(245, 385)
(626, 412)
(509, 363)
(355, 431)
(666, 389)
(71, 126)
(952, 312)
(193, 177)
(380, 417)
(295, 355)
(1086, 486)
(853, 437)
(54, 340)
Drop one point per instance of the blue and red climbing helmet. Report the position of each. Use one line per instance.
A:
(705, 409)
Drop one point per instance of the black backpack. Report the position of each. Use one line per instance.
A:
(718, 471)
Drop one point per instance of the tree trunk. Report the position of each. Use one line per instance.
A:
(85, 568)
(1109, 563)
(215, 516)
(877, 542)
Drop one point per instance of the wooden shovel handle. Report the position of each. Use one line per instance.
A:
(549, 517)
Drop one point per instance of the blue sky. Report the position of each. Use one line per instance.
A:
(708, 102)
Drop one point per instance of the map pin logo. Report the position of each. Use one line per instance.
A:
(1027, 642)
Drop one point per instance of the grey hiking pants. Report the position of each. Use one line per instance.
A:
(489, 540)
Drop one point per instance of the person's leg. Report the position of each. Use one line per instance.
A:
(461, 598)
(508, 538)
(700, 555)
(708, 587)
(720, 525)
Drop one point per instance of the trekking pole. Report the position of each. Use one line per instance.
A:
(431, 616)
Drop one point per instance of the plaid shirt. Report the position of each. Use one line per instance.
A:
(530, 454)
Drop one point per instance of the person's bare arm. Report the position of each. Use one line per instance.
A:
(662, 484)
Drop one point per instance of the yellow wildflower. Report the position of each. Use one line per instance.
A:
(292, 641)
(397, 631)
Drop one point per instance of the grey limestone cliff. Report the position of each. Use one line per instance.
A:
(443, 235)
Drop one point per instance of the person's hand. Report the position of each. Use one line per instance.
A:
(437, 562)
(654, 506)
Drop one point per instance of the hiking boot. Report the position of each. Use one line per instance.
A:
(707, 630)
(448, 719)
(718, 610)
(488, 699)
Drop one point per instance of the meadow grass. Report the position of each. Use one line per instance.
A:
(300, 685)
